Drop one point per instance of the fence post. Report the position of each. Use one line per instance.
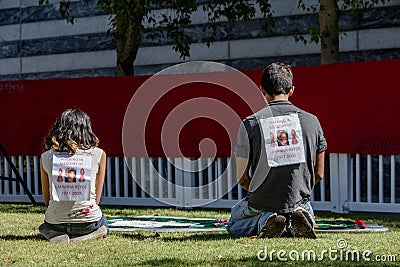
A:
(340, 173)
(183, 182)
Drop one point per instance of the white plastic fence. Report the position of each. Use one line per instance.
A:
(375, 183)
(351, 183)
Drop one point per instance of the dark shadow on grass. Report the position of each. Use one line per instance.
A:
(21, 237)
(22, 208)
(134, 235)
(184, 236)
(202, 236)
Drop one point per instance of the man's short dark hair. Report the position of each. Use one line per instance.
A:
(277, 79)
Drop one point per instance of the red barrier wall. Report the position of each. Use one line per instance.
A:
(357, 104)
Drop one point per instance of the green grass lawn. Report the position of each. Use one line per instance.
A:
(22, 245)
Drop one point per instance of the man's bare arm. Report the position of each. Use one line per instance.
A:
(242, 172)
(319, 167)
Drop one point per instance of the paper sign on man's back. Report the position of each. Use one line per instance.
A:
(283, 140)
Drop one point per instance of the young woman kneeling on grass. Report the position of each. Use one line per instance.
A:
(70, 150)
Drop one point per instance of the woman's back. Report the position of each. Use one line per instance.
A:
(73, 201)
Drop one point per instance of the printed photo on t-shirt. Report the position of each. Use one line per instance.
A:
(70, 181)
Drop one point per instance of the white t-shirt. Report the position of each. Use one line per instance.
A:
(72, 181)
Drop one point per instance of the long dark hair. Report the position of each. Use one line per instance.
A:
(71, 131)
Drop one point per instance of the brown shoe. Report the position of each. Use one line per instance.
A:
(301, 226)
(99, 233)
(274, 227)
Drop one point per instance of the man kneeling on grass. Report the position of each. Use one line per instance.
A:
(282, 176)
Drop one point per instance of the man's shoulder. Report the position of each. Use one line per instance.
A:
(268, 111)
(251, 119)
(307, 114)
(308, 120)
(262, 113)
(304, 114)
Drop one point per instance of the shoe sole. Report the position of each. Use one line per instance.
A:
(53, 236)
(274, 227)
(301, 226)
(99, 233)
(64, 238)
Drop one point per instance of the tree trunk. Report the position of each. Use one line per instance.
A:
(126, 58)
(329, 29)
(129, 37)
(127, 48)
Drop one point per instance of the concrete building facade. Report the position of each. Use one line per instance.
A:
(36, 44)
